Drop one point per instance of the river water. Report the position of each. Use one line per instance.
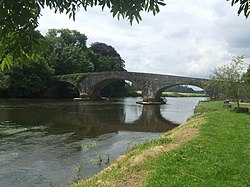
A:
(55, 142)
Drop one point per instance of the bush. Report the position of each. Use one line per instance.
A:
(241, 110)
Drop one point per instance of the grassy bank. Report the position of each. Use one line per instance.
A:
(178, 94)
(211, 149)
(170, 94)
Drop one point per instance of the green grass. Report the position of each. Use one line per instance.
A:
(217, 155)
(178, 94)
(174, 94)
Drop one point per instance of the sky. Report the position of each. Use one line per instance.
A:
(186, 39)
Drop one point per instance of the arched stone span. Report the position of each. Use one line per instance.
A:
(93, 84)
(95, 91)
(151, 85)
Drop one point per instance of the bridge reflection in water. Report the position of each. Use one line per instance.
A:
(84, 119)
(91, 125)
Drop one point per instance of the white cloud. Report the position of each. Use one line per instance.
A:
(188, 39)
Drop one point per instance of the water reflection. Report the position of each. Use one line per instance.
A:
(83, 119)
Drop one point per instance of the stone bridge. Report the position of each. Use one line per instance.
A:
(151, 85)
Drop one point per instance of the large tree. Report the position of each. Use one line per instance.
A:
(229, 80)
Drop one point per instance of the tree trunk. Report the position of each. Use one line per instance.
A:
(238, 102)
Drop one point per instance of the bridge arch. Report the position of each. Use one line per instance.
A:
(159, 92)
(56, 88)
(93, 84)
(98, 90)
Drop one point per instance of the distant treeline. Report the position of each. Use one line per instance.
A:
(183, 89)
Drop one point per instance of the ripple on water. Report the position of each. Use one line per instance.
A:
(10, 128)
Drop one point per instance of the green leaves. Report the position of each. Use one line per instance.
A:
(246, 76)
(131, 9)
(106, 58)
(243, 7)
(67, 51)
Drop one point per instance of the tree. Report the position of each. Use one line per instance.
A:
(19, 20)
(68, 52)
(106, 58)
(104, 49)
(229, 80)
(30, 80)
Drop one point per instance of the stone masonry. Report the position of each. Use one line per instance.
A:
(151, 85)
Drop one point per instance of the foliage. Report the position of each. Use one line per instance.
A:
(67, 51)
(104, 49)
(106, 63)
(243, 6)
(247, 76)
(131, 91)
(114, 89)
(181, 88)
(106, 58)
(229, 80)
(4, 83)
(60, 37)
(18, 37)
(19, 19)
(30, 79)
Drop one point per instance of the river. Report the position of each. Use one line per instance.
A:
(55, 142)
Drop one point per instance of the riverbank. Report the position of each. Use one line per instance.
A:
(211, 149)
(180, 94)
(170, 94)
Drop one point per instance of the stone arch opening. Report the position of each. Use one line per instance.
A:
(62, 89)
(113, 87)
(179, 88)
